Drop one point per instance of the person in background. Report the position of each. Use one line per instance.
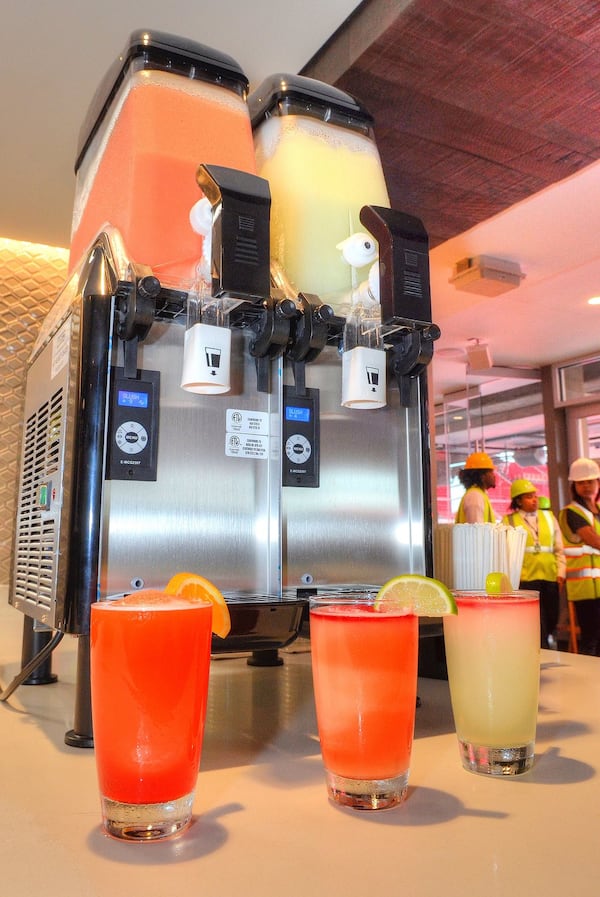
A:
(477, 476)
(580, 525)
(544, 563)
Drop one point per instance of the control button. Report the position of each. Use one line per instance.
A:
(131, 437)
(298, 448)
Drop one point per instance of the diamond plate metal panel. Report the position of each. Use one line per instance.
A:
(30, 277)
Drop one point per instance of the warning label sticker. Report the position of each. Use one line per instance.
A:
(247, 434)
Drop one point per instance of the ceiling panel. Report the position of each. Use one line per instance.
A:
(478, 103)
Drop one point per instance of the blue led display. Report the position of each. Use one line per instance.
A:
(294, 412)
(129, 399)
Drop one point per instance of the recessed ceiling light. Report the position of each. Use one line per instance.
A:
(595, 300)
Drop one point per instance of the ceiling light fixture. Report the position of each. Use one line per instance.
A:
(479, 357)
(486, 275)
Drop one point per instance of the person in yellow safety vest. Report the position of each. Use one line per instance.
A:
(477, 476)
(580, 525)
(544, 563)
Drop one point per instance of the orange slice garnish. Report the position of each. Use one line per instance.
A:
(192, 585)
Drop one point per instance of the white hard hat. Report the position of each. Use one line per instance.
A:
(583, 469)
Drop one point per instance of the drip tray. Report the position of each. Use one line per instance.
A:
(260, 624)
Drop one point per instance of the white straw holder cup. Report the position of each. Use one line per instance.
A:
(206, 359)
(363, 378)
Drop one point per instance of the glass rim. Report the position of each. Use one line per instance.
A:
(386, 606)
(183, 603)
(482, 595)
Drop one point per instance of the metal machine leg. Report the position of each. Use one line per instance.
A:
(34, 641)
(81, 735)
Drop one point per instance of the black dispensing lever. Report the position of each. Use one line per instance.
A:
(272, 334)
(405, 294)
(136, 308)
(309, 335)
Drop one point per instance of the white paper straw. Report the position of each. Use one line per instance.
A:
(469, 551)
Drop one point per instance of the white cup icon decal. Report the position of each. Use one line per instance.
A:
(373, 378)
(363, 378)
(213, 359)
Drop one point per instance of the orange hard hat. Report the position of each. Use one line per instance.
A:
(479, 461)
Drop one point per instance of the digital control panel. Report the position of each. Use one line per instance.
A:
(133, 426)
(300, 438)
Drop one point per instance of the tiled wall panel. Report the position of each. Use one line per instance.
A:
(30, 278)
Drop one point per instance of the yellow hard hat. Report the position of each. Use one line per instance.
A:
(479, 461)
(521, 487)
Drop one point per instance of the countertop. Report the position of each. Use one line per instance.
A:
(263, 824)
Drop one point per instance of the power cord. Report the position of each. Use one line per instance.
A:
(33, 664)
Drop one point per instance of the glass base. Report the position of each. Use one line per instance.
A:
(366, 794)
(490, 761)
(147, 822)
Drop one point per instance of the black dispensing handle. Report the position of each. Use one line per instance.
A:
(405, 295)
(405, 290)
(241, 204)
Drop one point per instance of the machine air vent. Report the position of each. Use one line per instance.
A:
(412, 284)
(246, 251)
(36, 527)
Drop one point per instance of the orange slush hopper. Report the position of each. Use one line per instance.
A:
(166, 106)
(315, 147)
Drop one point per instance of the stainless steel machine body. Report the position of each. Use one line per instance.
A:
(217, 505)
(214, 500)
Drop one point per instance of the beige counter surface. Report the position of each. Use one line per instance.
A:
(263, 824)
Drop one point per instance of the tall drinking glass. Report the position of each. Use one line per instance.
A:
(150, 657)
(493, 657)
(364, 662)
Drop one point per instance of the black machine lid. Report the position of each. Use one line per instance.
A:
(165, 52)
(296, 94)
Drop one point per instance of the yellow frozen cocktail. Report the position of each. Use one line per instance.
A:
(322, 166)
(493, 657)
